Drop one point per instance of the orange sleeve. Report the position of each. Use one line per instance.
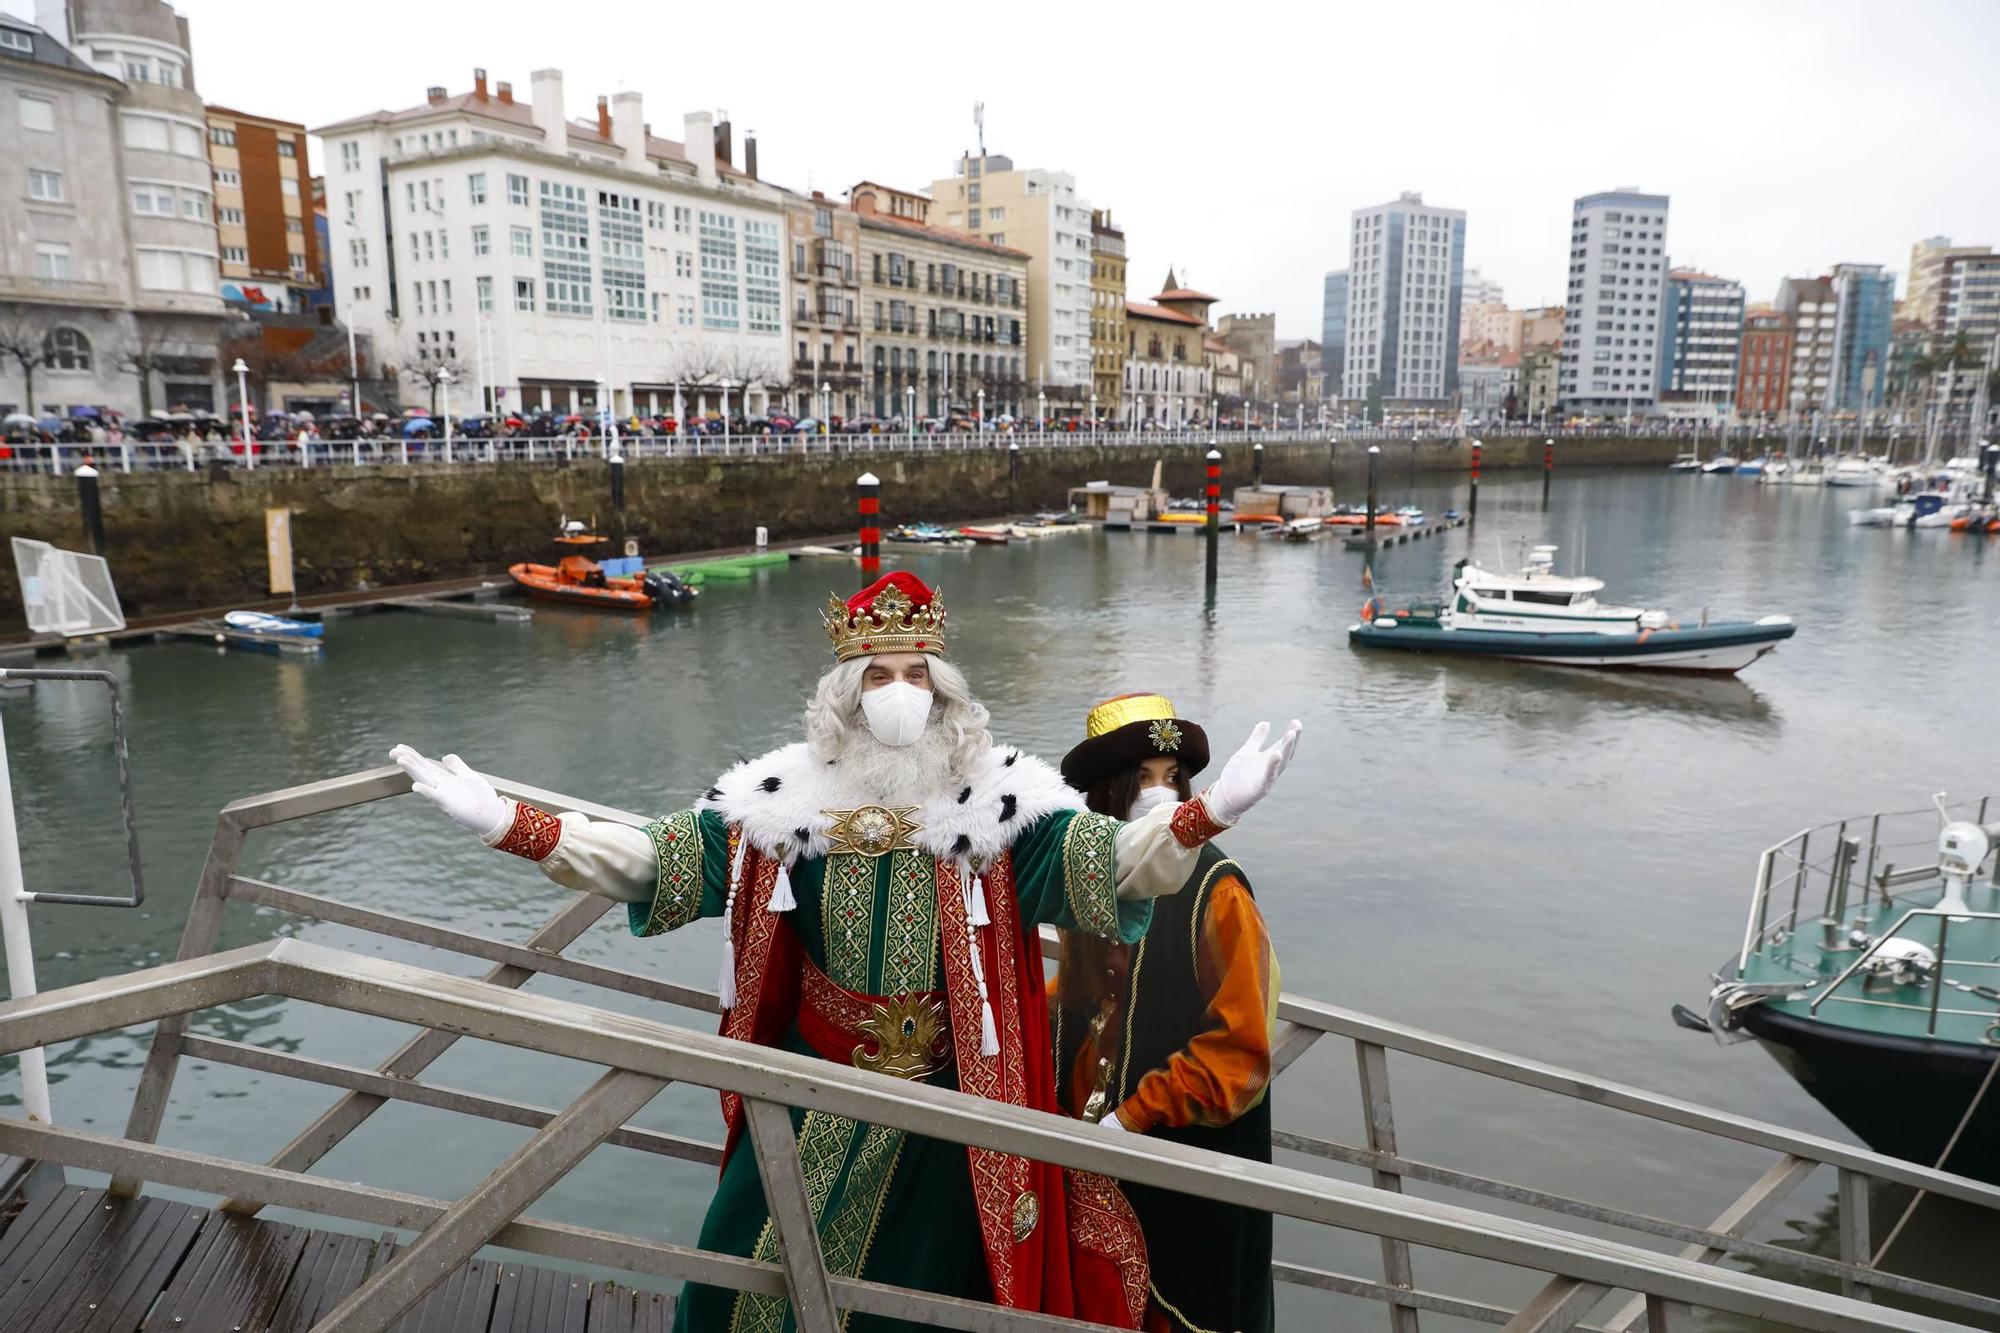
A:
(1223, 1069)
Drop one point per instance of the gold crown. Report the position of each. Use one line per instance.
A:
(892, 623)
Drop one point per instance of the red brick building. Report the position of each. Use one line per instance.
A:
(1763, 375)
(263, 210)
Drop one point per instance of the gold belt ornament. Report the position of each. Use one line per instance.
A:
(873, 830)
(911, 1040)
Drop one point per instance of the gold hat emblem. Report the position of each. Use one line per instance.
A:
(1166, 737)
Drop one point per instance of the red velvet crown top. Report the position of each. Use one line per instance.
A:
(897, 613)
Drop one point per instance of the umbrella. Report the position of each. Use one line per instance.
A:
(50, 423)
(84, 410)
(379, 416)
(19, 419)
(416, 426)
(305, 416)
(416, 412)
(515, 421)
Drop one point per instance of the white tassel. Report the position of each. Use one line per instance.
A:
(781, 892)
(989, 1038)
(725, 984)
(978, 916)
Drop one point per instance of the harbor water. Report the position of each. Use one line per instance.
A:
(1537, 859)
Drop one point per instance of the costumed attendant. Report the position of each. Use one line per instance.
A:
(1171, 1036)
(880, 884)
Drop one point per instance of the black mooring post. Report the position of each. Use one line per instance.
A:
(1472, 497)
(92, 506)
(1548, 469)
(1013, 474)
(1257, 464)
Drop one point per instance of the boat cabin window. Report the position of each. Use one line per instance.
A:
(1491, 594)
(1542, 598)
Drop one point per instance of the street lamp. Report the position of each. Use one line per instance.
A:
(910, 408)
(725, 409)
(1041, 411)
(444, 387)
(243, 406)
(826, 405)
(1093, 412)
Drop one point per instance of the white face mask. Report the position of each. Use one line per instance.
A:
(897, 712)
(1151, 798)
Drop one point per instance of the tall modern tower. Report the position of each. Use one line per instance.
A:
(1405, 277)
(1333, 331)
(1611, 330)
(1864, 310)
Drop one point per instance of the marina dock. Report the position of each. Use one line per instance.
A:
(1396, 535)
(224, 636)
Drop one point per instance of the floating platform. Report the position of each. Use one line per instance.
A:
(730, 567)
(1396, 535)
(78, 1258)
(492, 610)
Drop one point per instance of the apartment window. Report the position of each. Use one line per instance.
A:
(223, 136)
(353, 203)
(228, 178)
(194, 205)
(683, 264)
(656, 220)
(565, 249)
(517, 192)
(480, 241)
(823, 221)
(972, 219)
(153, 200)
(363, 293)
(523, 242)
(295, 227)
(357, 252)
(684, 311)
(288, 187)
(350, 156)
(37, 113)
(52, 261)
(483, 288)
(683, 219)
(235, 254)
(176, 270)
(447, 296)
(524, 294)
(66, 349)
(286, 148)
(12, 39)
(444, 245)
(229, 217)
(47, 186)
(298, 262)
(719, 291)
(475, 187)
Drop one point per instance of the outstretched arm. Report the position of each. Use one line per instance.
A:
(673, 871)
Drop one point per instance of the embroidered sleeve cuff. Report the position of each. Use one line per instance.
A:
(677, 892)
(1089, 887)
(532, 833)
(1193, 825)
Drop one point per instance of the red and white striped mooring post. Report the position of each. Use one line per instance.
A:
(1214, 513)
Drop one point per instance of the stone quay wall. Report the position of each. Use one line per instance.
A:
(178, 540)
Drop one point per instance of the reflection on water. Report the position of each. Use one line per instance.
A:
(1536, 858)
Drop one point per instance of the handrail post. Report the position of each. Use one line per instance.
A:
(1372, 1065)
(1854, 1237)
(784, 1180)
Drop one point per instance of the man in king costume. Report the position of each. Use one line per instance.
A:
(881, 884)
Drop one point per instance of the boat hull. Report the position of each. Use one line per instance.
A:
(543, 582)
(1900, 1095)
(1712, 650)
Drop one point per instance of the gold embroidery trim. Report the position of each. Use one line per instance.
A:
(847, 919)
(677, 888)
(910, 927)
(1087, 863)
(824, 1141)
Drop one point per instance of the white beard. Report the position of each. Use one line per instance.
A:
(871, 773)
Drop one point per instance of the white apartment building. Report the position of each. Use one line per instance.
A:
(1041, 213)
(1814, 310)
(1405, 284)
(538, 256)
(1611, 329)
(107, 220)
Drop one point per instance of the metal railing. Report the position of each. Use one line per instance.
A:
(641, 1055)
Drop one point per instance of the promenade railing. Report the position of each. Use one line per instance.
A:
(641, 1055)
(193, 455)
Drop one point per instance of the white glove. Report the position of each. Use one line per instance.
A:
(1111, 1124)
(1250, 774)
(458, 791)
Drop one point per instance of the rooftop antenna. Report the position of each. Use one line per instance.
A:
(979, 125)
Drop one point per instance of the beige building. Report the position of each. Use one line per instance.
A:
(1168, 383)
(1225, 377)
(942, 313)
(263, 210)
(1107, 315)
(1254, 338)
(1925, 298)
(828, 375)
(1037, 212)
(1540, 327)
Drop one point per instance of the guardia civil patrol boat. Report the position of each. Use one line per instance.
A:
(1867, 971)
(1537, 615)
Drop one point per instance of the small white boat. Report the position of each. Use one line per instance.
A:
(1719, 466)
(1777, 472)
(1884, 516)
(1854, 472)
(1812, 472)
(1752, 467)
(259, 622)
(1685, 463)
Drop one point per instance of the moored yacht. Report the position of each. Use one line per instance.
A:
(1537, 615)
(1719, 466)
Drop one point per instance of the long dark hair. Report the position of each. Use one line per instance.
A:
(1086, 959)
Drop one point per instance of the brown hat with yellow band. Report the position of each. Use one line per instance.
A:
(1125, 732)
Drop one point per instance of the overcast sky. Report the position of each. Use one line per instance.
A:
(1233, 140)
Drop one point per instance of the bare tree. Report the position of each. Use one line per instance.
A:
(147, 354)
(429, 366)
(24, 332)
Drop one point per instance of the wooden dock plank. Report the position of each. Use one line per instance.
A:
(539, 1300)
(331, 1266)
(621, 1309)
(111, 1288)
(57, 1227)
(462, 1303)
(233, 1278)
